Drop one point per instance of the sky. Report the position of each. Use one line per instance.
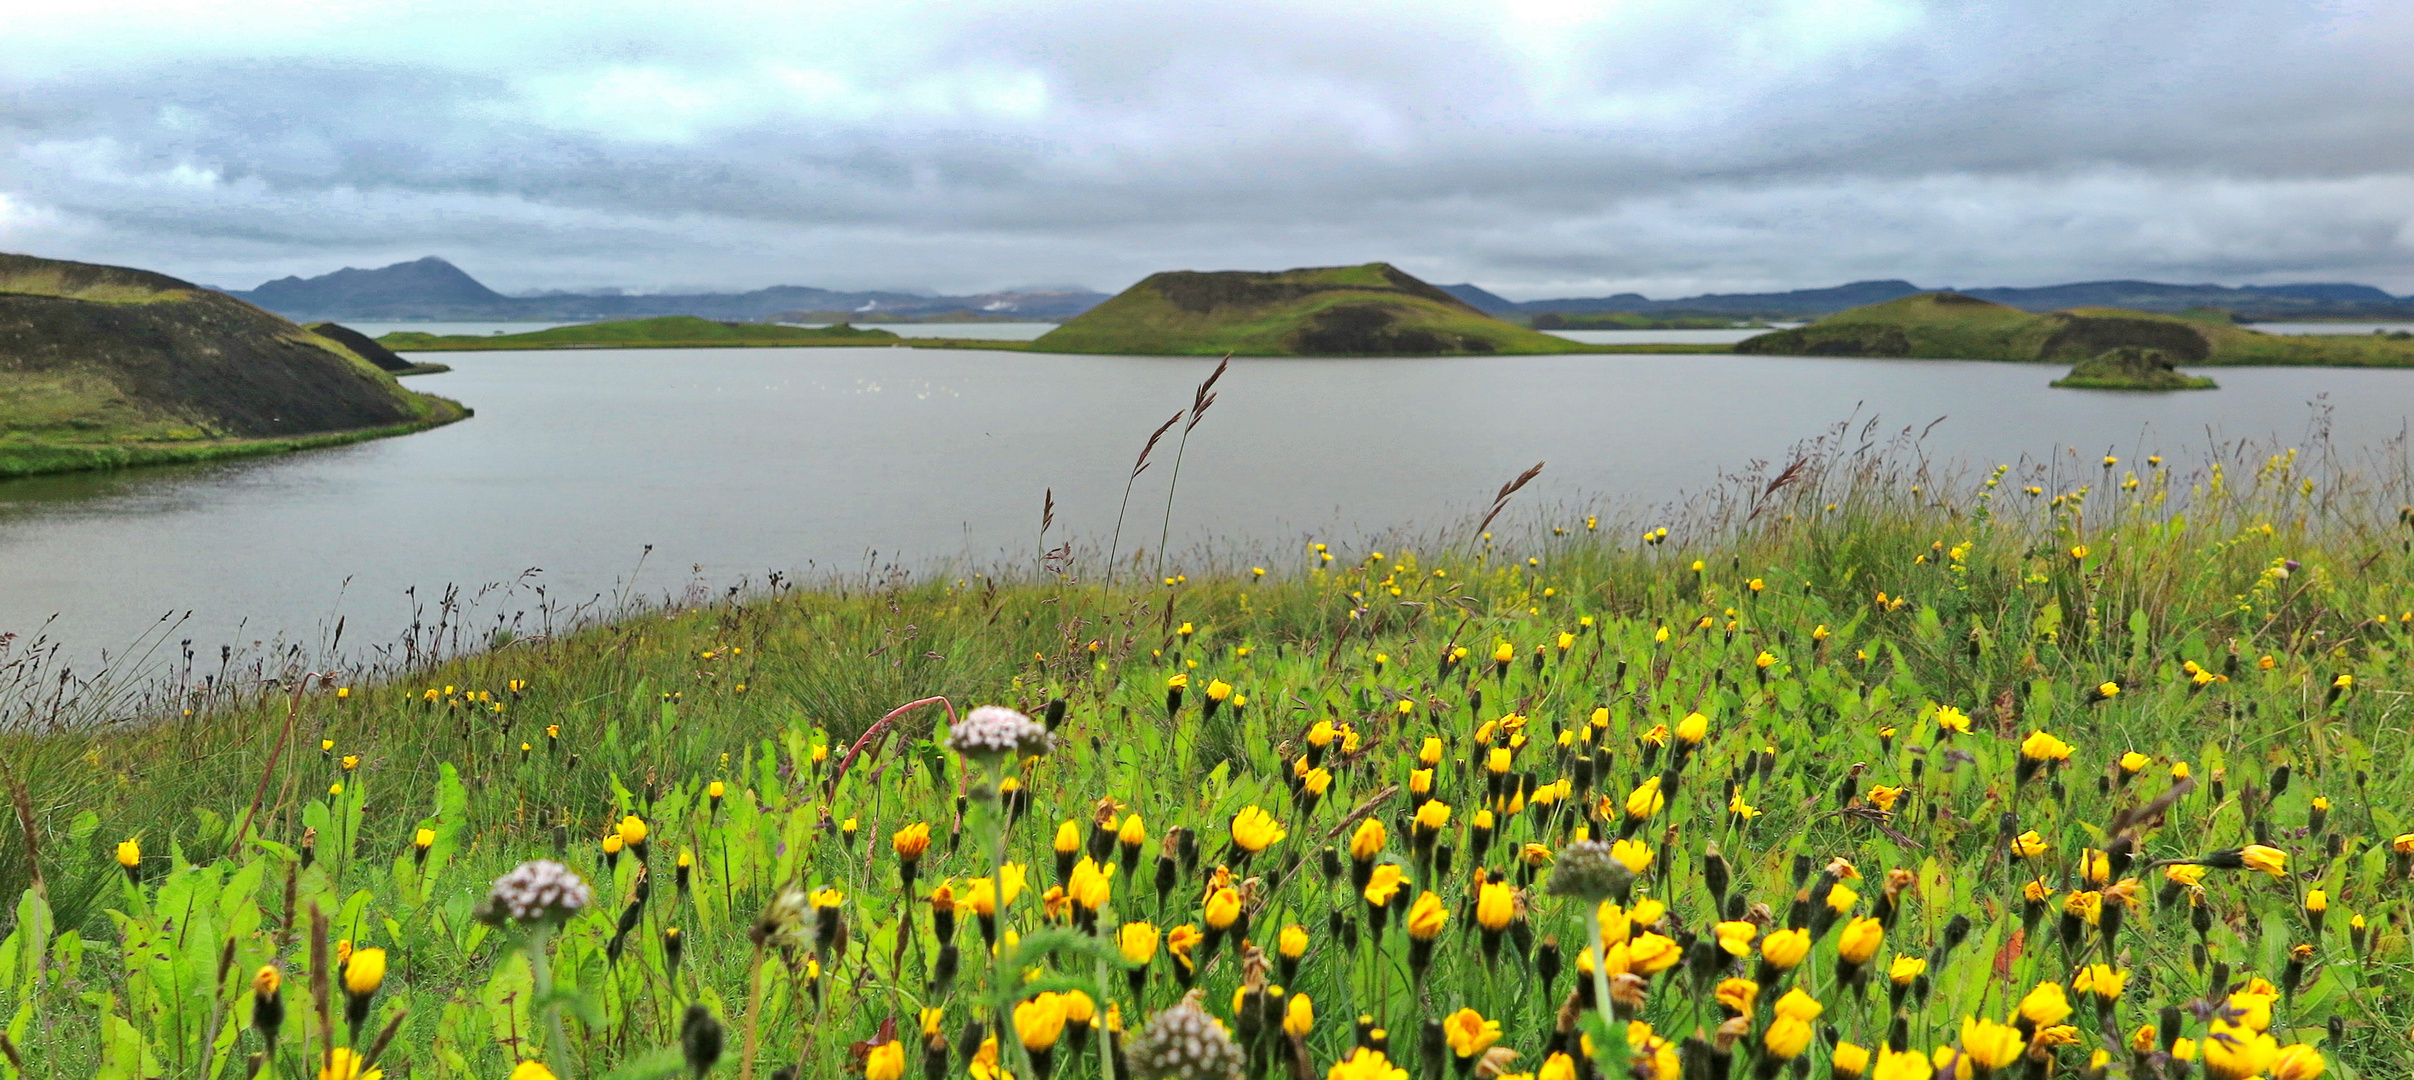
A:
(1539, 149)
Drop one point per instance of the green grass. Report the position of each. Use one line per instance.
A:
(1822, 621)
(667, 332)
(1370, 310)
(80, 451)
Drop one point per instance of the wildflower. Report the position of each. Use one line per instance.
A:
(1860, 941)
(1634, 855)
(1736, 937)
(1299, 1016)
(344, 1064)
(531, 1070)
(1469, 1034)
(1991, 1045)
(1951, 721)
(1904, 969)
(129, 858)
(1364, 1063)
(1692, 729)
(2268, 860)
(2045, 1006)
(1183, 1043)
(1783, 949)
(1901, 1065)
(885, 1062)
(2028, 845)
(267, 1003)
(1850, 1060)
(1254, 830)
(1137, 943)
(364, 974)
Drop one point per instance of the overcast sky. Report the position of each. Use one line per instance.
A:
(1538, 149)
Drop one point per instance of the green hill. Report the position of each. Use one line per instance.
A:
(1950, 326)
(104, 366)
(1370, 310)
(667, 332)
(2130, 368)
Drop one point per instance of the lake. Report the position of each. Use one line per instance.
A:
(733, 463)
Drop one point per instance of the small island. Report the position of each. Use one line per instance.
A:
(666, 332)
(1952, 326)
(2130, 368)
(1370, 310)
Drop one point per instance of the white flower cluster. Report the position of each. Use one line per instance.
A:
(995, 731)
(539, 890)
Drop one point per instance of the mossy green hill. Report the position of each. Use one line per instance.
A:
(1950, 326)
(667, 332)
(1370, 310)
(104, 366)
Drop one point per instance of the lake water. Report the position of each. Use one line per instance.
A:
(732, 463)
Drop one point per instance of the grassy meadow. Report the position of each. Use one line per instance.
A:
(1853, 770)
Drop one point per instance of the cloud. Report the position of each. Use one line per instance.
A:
(1538, 148)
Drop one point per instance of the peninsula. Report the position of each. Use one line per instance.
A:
(105, 366)
(665, 332)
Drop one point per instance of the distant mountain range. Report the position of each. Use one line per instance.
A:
(2254, 302)
(433, 289)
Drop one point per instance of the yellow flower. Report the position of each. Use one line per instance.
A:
(911, 841)
(1254, 830)
(1383, 883)
(1469, 1034)
(2298, 1062)
(1040, 1021)
(129, 854)
(1433, 815)
(1366, 1064)
(2133, 761)
(2184, 874)
(1693, 728)
(1951, 719)
(1785, 948)
(1737, 995)
(343, 1064)
(1906, 1065)
(1494, 905)
(1180, 941)
(2040, 746)
(1367, 842)
(1137, 942)
(2232, 1052)
(1298, 1016)
(1650, 954)
(1786, 1038)
(1555, 1067)
(1799, 1005)
(1860, 940)
(632, 830)
(1293, 943)
(1851, 1059)
(1218, 690)
(1736, 937)
(1223, 908)
(536, 1070)
(1991, 1045)
(2029, 845)
(2269, 860)
(1904, 969)
(1645, 800)
(365, 972)
(2045, 1006)
(1634, 855)
(1426, 916)
(885, 1062)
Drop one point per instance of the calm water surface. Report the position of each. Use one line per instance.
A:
(737, 462)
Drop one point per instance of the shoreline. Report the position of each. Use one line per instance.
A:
(53, 459)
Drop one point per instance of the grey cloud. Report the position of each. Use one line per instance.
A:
(1717, 147)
